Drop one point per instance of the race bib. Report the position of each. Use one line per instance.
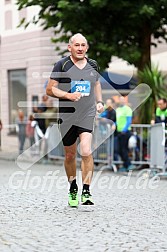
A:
(81, 86)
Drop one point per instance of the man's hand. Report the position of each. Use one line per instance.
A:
(76, 96)
(99, 107)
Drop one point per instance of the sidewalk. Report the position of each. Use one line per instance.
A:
(13, 155)
(9, 147)
(8, 155)
(9, 151)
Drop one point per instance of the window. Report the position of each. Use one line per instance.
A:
(8, 20)
(17, 92)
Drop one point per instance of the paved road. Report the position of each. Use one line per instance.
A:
(128, 215)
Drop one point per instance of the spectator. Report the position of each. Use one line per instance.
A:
(40, 118)
(21, 130)
(30, 130)
(123, 121)
(110, 114)
(40, 130)
(43, 106)
(50, 119)
(161, 112)
(50, 114)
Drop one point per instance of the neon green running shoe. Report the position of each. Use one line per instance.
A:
(73, 198)
(86, 198)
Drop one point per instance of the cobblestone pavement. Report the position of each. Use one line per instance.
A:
(34, 215)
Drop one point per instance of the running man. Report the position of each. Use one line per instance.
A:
(74, 80)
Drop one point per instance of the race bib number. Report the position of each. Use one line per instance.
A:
(81, 86)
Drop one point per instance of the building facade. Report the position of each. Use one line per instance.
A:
(26, 59)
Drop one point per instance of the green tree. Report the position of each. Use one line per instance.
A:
(155, 79)
(122, 28)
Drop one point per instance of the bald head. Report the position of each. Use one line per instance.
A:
(78, 47)
(76, 37)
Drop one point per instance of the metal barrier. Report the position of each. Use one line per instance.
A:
(158, 153)
(101, 143)
(139, 152)
(54, 144)
(104, 145)
(157, 146)
(159, 149)
(142, 149)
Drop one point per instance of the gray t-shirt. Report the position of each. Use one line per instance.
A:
(72, 79)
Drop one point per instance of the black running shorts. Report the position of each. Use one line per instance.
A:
(72, 135)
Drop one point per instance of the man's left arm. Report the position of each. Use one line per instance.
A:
(98, 94)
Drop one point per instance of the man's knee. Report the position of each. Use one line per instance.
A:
(86, 152)
(70, 156)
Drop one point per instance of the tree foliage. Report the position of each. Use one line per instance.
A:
(155, 79)
(121, 28)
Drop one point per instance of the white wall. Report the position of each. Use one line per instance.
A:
(30, 11)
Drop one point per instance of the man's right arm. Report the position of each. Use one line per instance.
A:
(53, 91)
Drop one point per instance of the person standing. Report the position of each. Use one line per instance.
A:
(21, 123)
(74, 80)
(110, 114)
(44, 104)
(30, 130)
(109, 111)
(40, 130)
(50, 119)
(161, 112)
(123, 122)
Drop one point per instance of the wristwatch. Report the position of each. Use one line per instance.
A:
(100, 102)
